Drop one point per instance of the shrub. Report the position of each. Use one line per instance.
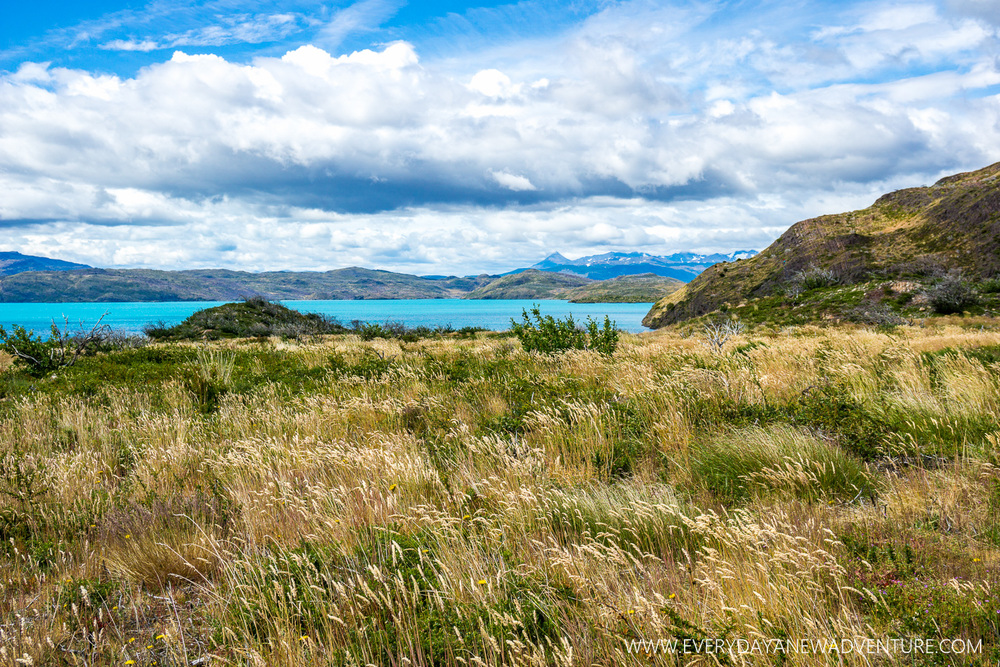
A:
(62, 348)
(951, 295)
(549, 335)
(878, 315)
(991, 286)
(605, 338)
(399, 331)
(815, 277)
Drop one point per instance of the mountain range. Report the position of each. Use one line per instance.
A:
(15, 262)
(683, 266)
(616, 277)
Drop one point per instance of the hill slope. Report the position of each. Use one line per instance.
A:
(15, 262)
(530, 284)
(643, 288)
(916, 233)
(223, 285)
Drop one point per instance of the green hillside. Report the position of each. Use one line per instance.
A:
(223, 285)
(530, 284)
(643, 288)
(912, 238)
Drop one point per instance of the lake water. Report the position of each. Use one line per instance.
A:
(130, 317)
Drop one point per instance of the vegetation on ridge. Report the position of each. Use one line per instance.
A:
(910, 242)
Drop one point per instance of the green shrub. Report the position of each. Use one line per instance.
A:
(603, 339)
(399, 331)
(952, 295)
(549, 335)
(63, 347)
(990, 286)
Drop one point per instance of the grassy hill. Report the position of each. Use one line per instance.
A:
(915, 236)
(643, 288)
(530, 284)
(224, 285)
(110, 285)
(536, 284)
(254, 317)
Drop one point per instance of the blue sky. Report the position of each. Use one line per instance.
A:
(457, 137)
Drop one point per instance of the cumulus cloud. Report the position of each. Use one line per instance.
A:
(512, 181)
(646, 127)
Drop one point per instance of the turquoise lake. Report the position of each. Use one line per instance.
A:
(130, 317)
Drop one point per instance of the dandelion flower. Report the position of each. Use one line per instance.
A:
(161, 636)
(631, 611)
(976, 560)
(466, 517)
(130, 662)
(671, 596)
(482, 582)
(303, 638)
(392, 488)
(131, 639)
(128, 536)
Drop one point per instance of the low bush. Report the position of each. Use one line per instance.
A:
(399, 331)
(63, 347)
(877, 315)
(548, 335)
(952, 295)
(990, 286)
(815, 277)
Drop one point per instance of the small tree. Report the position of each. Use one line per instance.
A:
(605, 338)
(719, 331)
(59, 350)
(548, 335)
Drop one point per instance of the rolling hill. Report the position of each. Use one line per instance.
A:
(14, 262)
(643, 288)
(223, 285)
(530, 284)
(916, 234)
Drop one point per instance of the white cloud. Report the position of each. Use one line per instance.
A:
(364, 15)
(492, 83)
(512, 181)
(130, 45)
(643, 128)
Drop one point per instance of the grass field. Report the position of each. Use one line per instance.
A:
(458, 501)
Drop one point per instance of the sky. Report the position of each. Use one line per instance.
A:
(460, 138)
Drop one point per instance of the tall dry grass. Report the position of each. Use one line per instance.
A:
(451, 502)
